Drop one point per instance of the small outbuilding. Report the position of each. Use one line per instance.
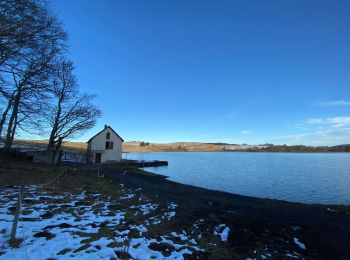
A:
(105, 146)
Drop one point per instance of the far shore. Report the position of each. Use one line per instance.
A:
(81, 147)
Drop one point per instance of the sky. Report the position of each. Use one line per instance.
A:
(214, 71)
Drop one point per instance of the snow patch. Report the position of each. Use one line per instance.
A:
(128, 196)
(222, 230)
(298, 243)
(169, 215)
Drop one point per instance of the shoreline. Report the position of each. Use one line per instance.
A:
(157, 175)
(272, 152)
(327, 227)
(272, 228)
(141, 173)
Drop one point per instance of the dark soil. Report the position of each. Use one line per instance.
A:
(273, 223)
(45, 234)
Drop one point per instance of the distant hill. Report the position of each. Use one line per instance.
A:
(172, 147)
(341, 148)
(135, 146)
(301, 148)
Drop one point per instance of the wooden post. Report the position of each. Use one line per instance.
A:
(16, 217)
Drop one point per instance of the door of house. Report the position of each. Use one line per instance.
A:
(98, 158)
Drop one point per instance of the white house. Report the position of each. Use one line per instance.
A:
(105, 146)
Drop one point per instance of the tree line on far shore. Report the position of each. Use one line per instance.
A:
(296, 149)
(39, 92)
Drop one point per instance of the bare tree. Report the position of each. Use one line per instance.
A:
(29, 85)
(23, 25)
(72, 112)
(5, 111)
(32, 46)
(31, 40)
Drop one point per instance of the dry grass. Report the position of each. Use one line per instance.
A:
(172, 147)
(135, 146)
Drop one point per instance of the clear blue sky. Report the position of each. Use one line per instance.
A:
(230, 71)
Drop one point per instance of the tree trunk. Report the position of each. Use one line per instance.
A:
(11, 127)
(51, 144)
(55, 151)
(14, 130)
(59, 158)
(4, 115)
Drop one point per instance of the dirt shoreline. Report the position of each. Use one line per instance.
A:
(325, 228)
(259, 228)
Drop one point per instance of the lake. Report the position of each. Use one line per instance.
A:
(300, 177)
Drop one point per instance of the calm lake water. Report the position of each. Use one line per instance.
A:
(301, 177)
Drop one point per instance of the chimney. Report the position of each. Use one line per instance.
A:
(106, 126)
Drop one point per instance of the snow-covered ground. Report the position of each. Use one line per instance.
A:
(86, 226)
(56, 224)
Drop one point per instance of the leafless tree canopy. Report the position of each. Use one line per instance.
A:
(34, 76)
(71, 112)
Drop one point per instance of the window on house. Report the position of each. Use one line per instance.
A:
(108, 136)
(109, 145)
